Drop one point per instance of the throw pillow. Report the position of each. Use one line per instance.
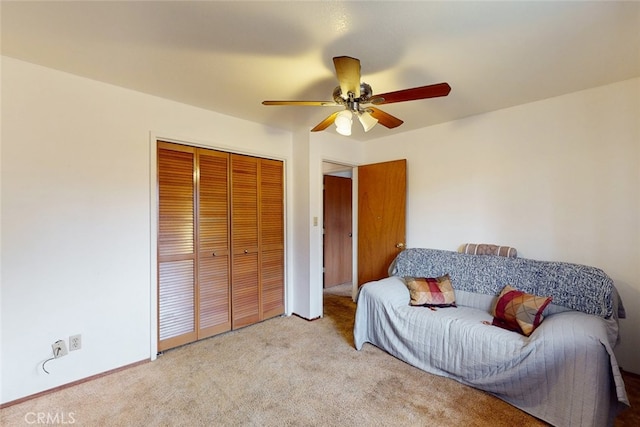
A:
(431, 291)
(518, 311)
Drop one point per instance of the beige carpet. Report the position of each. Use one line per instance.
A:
(285, 371)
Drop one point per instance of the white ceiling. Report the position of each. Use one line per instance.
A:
(229, 56)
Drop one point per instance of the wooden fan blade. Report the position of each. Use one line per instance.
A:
(422, 92)
(326, 122)
(302, 103)
(385, 119)
(348, 72)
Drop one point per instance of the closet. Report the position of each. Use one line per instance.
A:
(220, 242)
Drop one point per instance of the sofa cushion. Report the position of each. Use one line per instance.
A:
(431, 291)
(488, 249)
(518, 311)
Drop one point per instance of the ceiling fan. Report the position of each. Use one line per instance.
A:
(357, 96)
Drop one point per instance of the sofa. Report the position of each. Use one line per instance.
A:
(564, 372)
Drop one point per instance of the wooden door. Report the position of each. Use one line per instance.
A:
(337, 247)
(381, 217)
(176, 246)
(214, 292)
(244, 241)
(271, 238)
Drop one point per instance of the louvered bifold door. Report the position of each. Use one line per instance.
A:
(214, 292)
(176, 246)
(272, 237)
(244, 241)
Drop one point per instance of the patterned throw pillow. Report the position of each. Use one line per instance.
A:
(431, 291)
(518, 311)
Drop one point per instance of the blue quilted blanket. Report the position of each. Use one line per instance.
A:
(578, 287)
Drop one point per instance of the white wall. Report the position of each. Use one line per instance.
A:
(558, 179)
(77, 217)
(301, 225)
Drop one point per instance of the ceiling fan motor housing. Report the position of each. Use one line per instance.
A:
(350, 101)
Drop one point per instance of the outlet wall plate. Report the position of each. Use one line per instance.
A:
(75, 342)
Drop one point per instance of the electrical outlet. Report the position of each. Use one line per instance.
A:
(75, 342)
(59, 349)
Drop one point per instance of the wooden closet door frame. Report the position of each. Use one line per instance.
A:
(154, 140)
(191, 336)
(204, 253)
(245, 245)
(272, 249)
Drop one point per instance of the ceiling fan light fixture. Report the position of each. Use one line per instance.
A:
(367, 120)
(343, 122)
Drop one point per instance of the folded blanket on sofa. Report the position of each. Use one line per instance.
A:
(578, 287)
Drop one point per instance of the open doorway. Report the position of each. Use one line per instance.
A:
(378, 220)
(337, 228)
